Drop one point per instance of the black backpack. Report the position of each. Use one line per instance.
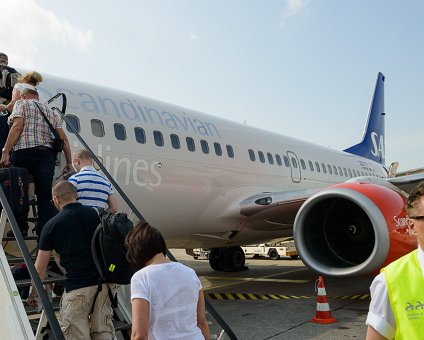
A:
(109, 250)
(8, 78)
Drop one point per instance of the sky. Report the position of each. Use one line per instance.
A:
(302, 68)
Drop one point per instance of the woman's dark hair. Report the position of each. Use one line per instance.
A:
(144, 242)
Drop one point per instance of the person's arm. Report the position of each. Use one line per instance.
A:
(140, 319)
(372, 334)
(66, 150)
(43, 258)
(12, 138)
(201, 316)
(113, 205)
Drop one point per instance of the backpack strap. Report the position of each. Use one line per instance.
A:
(113, 299)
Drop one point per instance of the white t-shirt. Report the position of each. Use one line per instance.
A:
(21, 86)
(380, 314)
(172, 291)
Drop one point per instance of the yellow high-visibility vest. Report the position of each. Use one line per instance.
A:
(405, 283)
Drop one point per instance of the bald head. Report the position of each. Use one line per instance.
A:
(81, 159)
(65, 191)
(29, 94)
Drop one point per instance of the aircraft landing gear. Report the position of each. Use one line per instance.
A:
(227, 259)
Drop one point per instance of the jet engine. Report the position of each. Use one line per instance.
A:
(352, 229)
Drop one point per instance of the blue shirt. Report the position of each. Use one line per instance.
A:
(93, 189)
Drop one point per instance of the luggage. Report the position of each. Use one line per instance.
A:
(109, 250)
(8, 78)
(14, 182)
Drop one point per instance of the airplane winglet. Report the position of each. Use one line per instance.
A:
(372, 144)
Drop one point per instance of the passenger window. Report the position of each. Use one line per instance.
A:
(311, 166)
(74, 122)
(158, 137)
(261, 156)
(190, 144)
(286, 161)
(335, 170)
(329, 169)
(340, 171)
(204, 145)
(345, 172)
(317, 166)
(324, 168)
(270, 158)
(302, 164)
(120, 133)
(294, 162)
(175, 141)
(278, 159)
(350, 173)
(218, 150)
(97, 128)
(252, 155)
(140, 136)
(230, 151)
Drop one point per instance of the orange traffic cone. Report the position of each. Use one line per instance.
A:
(323, 314)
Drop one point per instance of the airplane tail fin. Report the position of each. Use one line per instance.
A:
(372, 144)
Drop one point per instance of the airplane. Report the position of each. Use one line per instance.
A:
(208, 182)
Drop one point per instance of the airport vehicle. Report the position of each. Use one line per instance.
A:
(271, 250)
(200, 253)
(207, 182)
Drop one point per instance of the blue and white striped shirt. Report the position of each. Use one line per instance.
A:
(93, 189)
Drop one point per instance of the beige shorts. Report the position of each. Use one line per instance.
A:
(76, 321)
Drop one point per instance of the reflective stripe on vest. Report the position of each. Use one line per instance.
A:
(405, 284)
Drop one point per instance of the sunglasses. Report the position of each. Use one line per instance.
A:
(416, 217)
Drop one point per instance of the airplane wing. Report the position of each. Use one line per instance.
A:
(273, 210)
(408, 182)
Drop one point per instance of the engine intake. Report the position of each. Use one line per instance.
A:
(345, 230)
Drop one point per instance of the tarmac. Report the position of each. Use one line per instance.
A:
(276, 299)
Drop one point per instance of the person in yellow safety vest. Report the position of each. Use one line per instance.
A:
(397, 293)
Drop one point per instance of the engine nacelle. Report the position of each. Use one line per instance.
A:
(352, 229)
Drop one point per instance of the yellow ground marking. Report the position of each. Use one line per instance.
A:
(241, 280)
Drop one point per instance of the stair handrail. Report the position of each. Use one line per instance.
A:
(208, 306)
(38, 285)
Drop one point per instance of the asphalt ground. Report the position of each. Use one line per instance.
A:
(277, 300)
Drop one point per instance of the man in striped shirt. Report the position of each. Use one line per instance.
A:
(93, 189)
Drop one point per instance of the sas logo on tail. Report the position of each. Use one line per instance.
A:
(377, 145)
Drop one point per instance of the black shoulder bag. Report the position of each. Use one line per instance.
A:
(57, 144)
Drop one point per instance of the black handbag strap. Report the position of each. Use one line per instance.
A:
(55, 134)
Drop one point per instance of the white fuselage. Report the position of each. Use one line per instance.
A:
(190, 196)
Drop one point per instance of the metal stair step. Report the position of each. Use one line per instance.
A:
(51, 279)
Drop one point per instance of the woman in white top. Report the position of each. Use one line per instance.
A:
(29, 80)
(167, 297)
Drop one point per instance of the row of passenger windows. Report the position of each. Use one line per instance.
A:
(97, 128)
(313, 166)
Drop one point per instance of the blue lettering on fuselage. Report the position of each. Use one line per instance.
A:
(131, 110)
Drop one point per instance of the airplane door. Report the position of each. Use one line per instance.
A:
(294, 166)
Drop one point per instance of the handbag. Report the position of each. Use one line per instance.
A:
(57, 143)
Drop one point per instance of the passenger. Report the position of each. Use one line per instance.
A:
(93, 189)
(397, 292)
(167, 297)
(6, 85)
(70, 233)
(31, 139)
(28, 81)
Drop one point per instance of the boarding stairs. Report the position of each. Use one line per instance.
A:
(18, 321)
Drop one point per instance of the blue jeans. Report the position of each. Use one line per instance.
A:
(40, 163)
